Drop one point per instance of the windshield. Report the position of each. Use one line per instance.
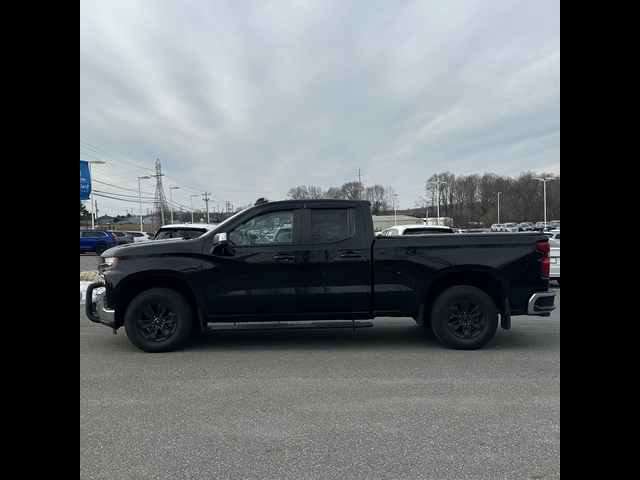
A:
(178, 233)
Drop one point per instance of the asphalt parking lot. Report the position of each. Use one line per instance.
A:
(388, 402)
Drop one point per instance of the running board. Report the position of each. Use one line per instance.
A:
(288, 326)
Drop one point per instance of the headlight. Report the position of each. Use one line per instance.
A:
(110, 261)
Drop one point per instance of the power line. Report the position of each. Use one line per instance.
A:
(113, 156)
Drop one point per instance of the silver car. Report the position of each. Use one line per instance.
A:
(555, 260)
(510, 227)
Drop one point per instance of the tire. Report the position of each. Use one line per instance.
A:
(464, 318)
(158, 320)
(100, 249)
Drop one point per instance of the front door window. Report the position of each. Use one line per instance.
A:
(268, 228)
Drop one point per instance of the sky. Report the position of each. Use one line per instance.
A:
(249, 98)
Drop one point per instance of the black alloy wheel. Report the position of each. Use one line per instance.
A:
(158, 320)
(464, 317)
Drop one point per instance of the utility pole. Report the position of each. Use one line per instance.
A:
(205, 197)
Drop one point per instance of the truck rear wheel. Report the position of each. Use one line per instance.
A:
(464, 318)
(158, 320)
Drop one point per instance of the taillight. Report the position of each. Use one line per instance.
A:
(545, 267)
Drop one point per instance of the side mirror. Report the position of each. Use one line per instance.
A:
(220, 240)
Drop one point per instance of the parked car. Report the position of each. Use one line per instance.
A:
(554, 257)
(96, 241)
(510, 227)
(416, 230)
(526, 227)
(553, 224)
(140, 236)
(497, 227)
(553, 234)
(122, 237)
(542, 225)
(182, 230)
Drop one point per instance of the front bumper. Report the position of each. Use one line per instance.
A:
(96, 311)
(541, 303)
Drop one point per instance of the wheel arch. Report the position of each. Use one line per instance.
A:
(155, 280)
(485, 280)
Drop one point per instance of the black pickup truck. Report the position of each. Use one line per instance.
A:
(307, 264)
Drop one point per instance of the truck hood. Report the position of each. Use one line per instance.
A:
(155, 247)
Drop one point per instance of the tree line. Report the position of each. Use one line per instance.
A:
(467, 199)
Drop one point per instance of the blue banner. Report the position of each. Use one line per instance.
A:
(85, 180)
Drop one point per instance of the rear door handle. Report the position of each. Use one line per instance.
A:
(284, 257)
(350, 255)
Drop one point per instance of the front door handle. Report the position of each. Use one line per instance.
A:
(284, 257)
(350, 255)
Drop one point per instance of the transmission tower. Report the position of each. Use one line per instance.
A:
(160, 200)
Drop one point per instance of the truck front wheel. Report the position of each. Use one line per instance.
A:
(464, 318)
(158, 320)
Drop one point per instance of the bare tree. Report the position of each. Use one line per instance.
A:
(334, 192)
(352, 191)
(376, 195)
(298, 193)
(315, 192)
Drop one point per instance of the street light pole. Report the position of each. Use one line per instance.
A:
(196, 195)
(499, 206)
(395, 210)
(96, 162)
(140, 199)
(171, 201)
(438, 182)
(544, 181)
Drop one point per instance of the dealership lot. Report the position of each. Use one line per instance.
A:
(383, 402)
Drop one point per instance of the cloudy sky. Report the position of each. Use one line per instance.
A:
(249, 98)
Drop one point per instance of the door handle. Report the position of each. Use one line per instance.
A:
(350, 255)
(284, 257)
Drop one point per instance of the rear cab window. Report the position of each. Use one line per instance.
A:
(329, 225)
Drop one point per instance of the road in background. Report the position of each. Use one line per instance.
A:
(386, 402)
(89, 261)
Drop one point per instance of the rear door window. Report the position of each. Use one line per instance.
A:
(332, 225)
